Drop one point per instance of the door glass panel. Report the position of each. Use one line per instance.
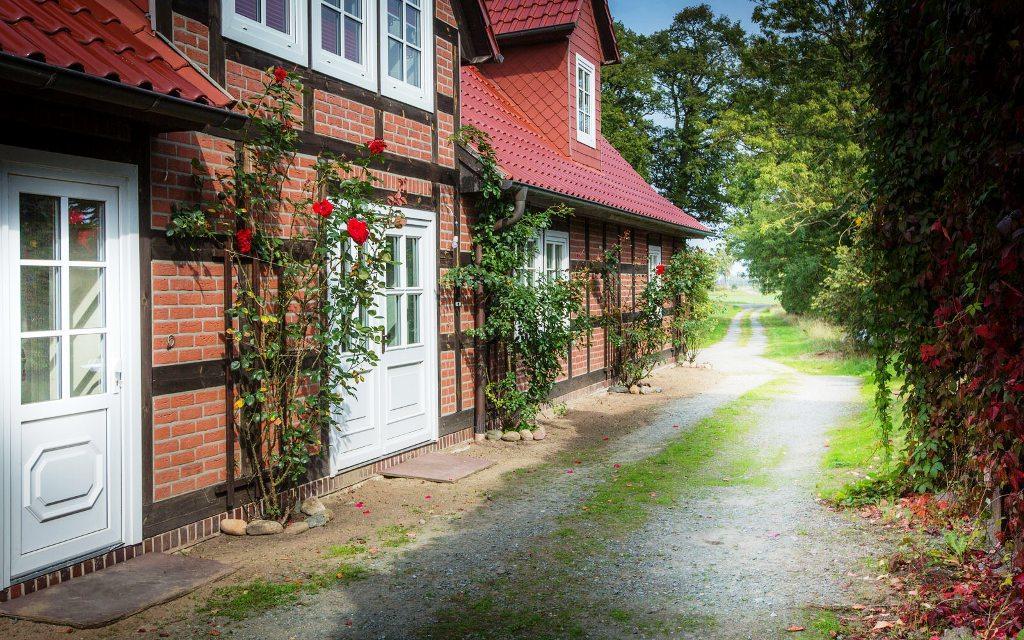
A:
(412, 262)
(412, 309)
(86, 295)
(391, 271)
(39, 219)
(86, 225)
(40, 369)
(87, 364)
(392, 336)
(40, 298)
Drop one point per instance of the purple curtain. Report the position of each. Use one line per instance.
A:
(248, 8)
(277, 15)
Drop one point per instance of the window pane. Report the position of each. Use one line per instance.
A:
(395, 59)
(412, 262)
(40, 298)
(87, 364)
(391, 270)
(248, 8)
(354, 8)
(353, 40)
(85, 221)
(277, 15)
(412, 26)
(412, 66)
(39, 217)
(412, 320)
(330, 30)
(395, 18)
(391, 320)
(86, 295)
(40, 369)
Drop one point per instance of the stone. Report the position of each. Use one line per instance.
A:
(317, 520)
(312, 506)
(540, 433)
(264, 528)
(960, 633)
(646, 390)
(635, 390)
(232, 527)
(511, 436)
(526, 435)
(494, 434)
(298, 527)
(618, 388)
(658, 389)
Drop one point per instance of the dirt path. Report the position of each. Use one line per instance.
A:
(513, 554)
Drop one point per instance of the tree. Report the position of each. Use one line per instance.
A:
(662, 107)
(797, 184)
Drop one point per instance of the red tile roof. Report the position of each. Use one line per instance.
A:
(110, 39)
(527, 157)
(510, 16)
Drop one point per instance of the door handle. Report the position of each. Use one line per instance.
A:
(383, 339)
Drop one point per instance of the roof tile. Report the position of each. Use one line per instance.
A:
(104, 38)
(527, 157)
(510, 16)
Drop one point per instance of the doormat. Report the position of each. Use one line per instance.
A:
(117, 592)
(437, 467)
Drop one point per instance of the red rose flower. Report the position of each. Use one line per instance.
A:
(357, 230)
(244, 239)
(660, 269)
(280, 74)
(376, 146)
(323, 208)
(75, 216)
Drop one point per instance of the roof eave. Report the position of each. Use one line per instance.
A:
(544, 197)
(540, 34)
(174, 113)
(480, 44)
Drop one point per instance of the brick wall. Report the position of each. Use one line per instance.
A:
(188, 442)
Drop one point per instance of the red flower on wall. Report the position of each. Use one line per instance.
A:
(243, 237)
(323, 208)
(357, 230)
(280, 74)
(376, 146)
(660, 269)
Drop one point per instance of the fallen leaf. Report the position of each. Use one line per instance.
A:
(616, 466)
(793, 628)
(568, 471)
(882, 624)
(605, 438)
(366, 512)
(359, 505)
(426, 497)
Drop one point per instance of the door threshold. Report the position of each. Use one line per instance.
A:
(65, 564)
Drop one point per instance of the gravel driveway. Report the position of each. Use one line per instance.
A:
(724, 562)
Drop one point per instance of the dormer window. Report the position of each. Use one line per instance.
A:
(585, 126)
(275, 26)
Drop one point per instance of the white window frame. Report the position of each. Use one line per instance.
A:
(338, 66)
(588, 138)
(653, 250)
(289, 46)
(422, 96)
(537, 266)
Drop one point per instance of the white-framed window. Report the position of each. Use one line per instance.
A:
(407, 51)
(586, 126)
(653, 259)
(344, 40)
(549, 256)
(275, 26)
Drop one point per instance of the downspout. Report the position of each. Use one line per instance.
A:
(479, 398)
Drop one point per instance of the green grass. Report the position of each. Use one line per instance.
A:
(743, 295)
(344, 550)
(240, 601)
(746, 329)
(723, 318)
(394, 535)
(620, 503)
(811, 346)
(821, 624)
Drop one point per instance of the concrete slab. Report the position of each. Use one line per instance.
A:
(438, 467)
(117, 592)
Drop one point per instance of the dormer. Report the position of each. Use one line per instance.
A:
(553, 53)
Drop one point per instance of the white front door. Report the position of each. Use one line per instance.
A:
(395, 407)
(66, 450)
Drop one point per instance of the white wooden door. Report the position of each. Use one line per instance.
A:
(395, 407)
(63, 327)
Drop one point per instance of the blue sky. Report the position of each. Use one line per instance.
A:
(646, 16)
